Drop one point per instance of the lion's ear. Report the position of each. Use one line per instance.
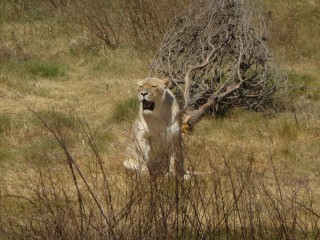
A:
(166, 81)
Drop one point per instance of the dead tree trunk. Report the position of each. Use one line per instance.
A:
(216, 56)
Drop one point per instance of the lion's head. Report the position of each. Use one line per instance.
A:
(151, 93)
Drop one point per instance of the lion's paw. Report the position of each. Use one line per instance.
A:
(134, 166)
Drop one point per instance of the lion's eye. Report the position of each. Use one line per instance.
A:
(153, 86)
(140, 86)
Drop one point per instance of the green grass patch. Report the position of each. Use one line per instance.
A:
(28, 87)
(4, 123)
(12, 123)
(126, 111)
(5, 154)
(57, 120)
(103, 138)
(43, 150)
(46, 69)
(24, 11)
(84, 46)
(295, 27)
(305, 79)
(34, 69)
(110, 66)
(288, 131)
(304, 84)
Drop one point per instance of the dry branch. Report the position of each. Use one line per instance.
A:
(217, 57)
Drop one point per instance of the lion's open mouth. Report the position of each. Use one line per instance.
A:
(147, 105)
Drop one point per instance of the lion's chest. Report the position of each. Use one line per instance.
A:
(157, 138)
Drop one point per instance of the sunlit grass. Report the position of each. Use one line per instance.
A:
(99, 85)
(121, 63)
(295, 31)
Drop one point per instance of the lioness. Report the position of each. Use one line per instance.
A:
(155, 146)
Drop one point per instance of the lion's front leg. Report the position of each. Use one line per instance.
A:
(137, 153)
(176, 152)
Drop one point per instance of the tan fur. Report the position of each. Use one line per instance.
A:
(155, 146)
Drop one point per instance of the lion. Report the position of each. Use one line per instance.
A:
(155, 143)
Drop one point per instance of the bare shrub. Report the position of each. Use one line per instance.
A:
(101, 19)
(86, 200)
(216, 55)
(147, 20)
(141, 23)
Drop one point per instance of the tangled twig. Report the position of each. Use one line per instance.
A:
(217, 57)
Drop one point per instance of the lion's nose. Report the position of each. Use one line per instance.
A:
(144, 94)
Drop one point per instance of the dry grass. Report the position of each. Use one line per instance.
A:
(266, 165)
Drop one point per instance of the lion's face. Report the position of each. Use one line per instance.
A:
(151, 91)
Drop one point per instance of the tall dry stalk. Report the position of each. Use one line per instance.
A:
(83, 200)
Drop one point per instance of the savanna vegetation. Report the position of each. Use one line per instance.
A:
(68, 71)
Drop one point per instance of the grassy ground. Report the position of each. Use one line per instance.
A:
(54, 68)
